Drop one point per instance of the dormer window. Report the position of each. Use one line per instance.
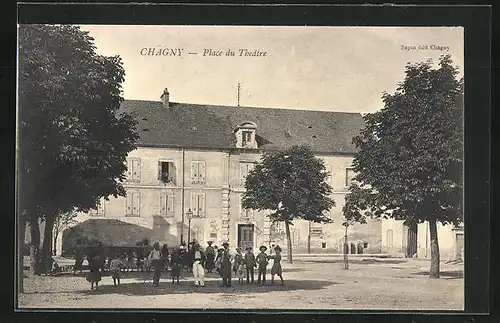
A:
(245, 135)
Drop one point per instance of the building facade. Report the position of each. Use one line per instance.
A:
(195, 159)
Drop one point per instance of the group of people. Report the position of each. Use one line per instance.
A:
(197, 260)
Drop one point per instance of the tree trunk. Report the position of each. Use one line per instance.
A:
(47, 243)
(20, 252)
(434, 272)
(54, 247)
(34, 245)
(288, 241)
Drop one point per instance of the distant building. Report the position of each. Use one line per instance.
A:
(196, 157)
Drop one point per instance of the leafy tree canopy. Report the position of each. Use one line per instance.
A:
(410, 160)
(72, 143)
(291, 184)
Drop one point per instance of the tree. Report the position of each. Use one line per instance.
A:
(62, 222)
(72, 143)
(291, 184)
(410, 158)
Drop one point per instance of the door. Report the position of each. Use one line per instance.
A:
(411, 244)
(245, 236)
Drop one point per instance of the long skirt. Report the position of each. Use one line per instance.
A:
(94, 275)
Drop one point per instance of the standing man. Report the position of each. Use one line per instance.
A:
(250, 263)
(198, 261)
(156, 261)
(226, 265)
(210, 254)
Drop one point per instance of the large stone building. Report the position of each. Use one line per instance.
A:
(196, 157)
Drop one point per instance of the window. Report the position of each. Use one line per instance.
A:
(198, 204)
(349, 175)
(316, 229)
(166, 172)
(167, 204)
(197, 172)
(245, 168)
(197, 234)
(390, 242)
(245, 213)
(295, 237)
(328, 178)
(100, 211)
(134, 170)
(246, 138)
(180, 230)
(133, 204)
(213, 235)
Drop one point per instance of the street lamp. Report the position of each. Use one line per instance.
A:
(189, 215)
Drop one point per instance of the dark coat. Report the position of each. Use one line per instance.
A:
(226, 264)
(192, 253)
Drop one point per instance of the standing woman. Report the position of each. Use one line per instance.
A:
(276, 268)
(164, 256)
(210, 253)
(94, 276)
(78, 260)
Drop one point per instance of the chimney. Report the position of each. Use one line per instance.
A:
(164, 98)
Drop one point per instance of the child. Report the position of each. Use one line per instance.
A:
(115, 267)
(276, 268)
(176, 265)
(262, 262)
(241, 271)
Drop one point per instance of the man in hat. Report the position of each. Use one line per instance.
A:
(262, 261)
(250, 264)
(198, 260)
(154, 259)
(226, 265)
(210, 254)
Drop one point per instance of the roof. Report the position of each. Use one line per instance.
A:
(211, 126)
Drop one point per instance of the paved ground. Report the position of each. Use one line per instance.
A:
(316, 284)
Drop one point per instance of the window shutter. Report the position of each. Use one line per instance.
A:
(328, 177)
(193, 203)
(243, 169)
(242, 210)
(159, 170)
(136, 204)
(170, 204)
(194, 177)
(129, 203)
(201, 172)
(138, 176)
(171, 172)
(129, 170)
(201, 204)
(163, 209)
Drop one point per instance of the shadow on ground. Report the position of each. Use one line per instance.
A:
(447, 274)
(184, 287)
(357, 261)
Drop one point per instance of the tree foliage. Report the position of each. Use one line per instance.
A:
(72, 144)
(291, 185)
(410, 158)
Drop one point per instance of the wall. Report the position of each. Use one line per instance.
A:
(223, 178)
(448, 249)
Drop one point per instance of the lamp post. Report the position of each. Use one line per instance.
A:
(346, 248)
(189, 215)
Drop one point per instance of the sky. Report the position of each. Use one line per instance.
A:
(308, 68)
